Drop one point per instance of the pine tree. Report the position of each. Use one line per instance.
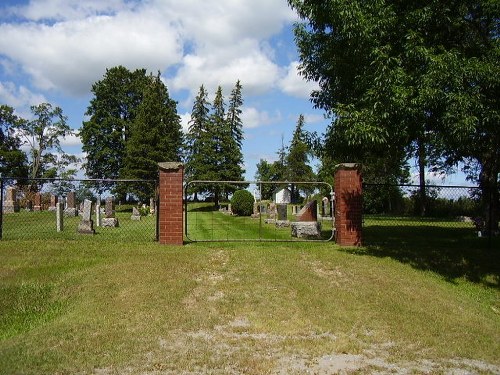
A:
(297, 159)
(155, 136)
(198, 142)
(231, 148)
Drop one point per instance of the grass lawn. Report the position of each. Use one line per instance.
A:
(97, 305)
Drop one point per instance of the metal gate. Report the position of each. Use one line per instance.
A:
(282, 211)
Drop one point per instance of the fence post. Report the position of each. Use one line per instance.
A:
(348, 204)
(1, 206)
(170, 208)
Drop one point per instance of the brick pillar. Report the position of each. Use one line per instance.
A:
(170, 212)
(348, 205)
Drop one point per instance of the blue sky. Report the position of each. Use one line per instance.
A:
(54, 50)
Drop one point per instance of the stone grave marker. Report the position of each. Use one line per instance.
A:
(71, 209)
(86, 226)
(10, 204)
(109, 211)
(136, 215)
(152, 206)
(307, 225)
(53, 202)
(38, 202)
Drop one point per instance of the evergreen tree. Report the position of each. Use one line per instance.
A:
(297, 160)
(233, 140)
(155, 136)
(112, 111)
(198, 142)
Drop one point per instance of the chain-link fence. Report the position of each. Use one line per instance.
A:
(458, 207)
(115, 210)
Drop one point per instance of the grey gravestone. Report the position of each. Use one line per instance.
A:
(306, 229)
(110, 220)
(71, 209)
(152, 206)
(136, 215)
(282, 211)
(86, 226)
(10, 204)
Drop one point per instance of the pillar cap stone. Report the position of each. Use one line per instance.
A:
(170, 165)
(348, 166)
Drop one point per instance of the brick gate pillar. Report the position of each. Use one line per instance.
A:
(348, 204)
(170, 210)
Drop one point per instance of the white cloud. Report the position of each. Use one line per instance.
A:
(71, 140)
(185, 118)
(19, 97)
(253, 118)
(69, 43)
(294, 84)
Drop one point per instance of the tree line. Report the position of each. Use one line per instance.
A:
(131, 125)
(407, 80)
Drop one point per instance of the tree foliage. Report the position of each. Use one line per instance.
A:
(133, 125)
(13, 161)
(42, 135)
(155, 136)
(214, 142)
(403, 79)
(111, 113)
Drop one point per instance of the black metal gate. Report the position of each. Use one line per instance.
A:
(282, 211)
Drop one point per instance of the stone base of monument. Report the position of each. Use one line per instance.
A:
(306, 229)
(70, 212)
(10, 207)
(86, 227)
(109, 222)
(282, 223)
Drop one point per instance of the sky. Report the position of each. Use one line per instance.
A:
(54, 50)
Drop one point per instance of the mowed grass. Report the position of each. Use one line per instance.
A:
(205, 223)
(42, 225)
(90, 305)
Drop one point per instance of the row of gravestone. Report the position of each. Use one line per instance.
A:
(11, 203)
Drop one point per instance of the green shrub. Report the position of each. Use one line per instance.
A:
(242, 203)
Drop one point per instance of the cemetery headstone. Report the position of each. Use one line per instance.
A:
(152, 206)
(29, 206)
(86, 226)
(10, 204)
(109, 211)
(71, 209)
(136, 215)
(325, 206)
(282, 211)
(309, 212)
(53, 202)
(307, 225)
(38, 202)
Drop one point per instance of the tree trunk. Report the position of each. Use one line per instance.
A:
(421, 175)
(488, 181)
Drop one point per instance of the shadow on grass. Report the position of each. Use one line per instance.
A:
(451, 252)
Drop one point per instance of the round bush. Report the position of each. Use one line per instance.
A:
(242, 203)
